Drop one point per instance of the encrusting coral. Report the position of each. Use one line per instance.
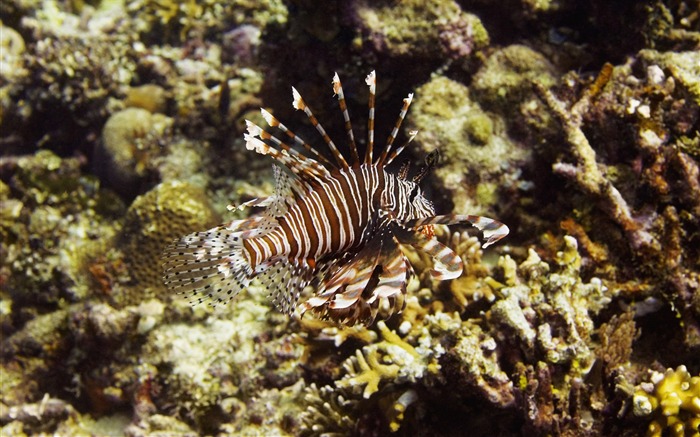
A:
(474, 148)
(131, 142)
(431, 31)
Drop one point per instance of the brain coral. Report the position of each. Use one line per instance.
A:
(169, 210)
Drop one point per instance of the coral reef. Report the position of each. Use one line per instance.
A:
(428, 31)
(177, 21)
(391, 359)
(474, 149)
(575, 123)
(55, 220)
(644, 192)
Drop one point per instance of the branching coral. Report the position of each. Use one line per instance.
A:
(647, 189)
(550, 311)
(672, 401)
(321, 330)
(542, 324)
(328, 412)
(472, 365)
(589, 174)
(473, 285)
(391, 359)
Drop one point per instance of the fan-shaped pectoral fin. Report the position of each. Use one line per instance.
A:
(492, 230)
(446, 263)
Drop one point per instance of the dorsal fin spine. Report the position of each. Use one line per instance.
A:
(338, 90)
(371, 81)
(299, 103)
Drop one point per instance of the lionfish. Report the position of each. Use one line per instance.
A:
(337, 224)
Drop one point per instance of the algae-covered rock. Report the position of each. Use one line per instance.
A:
(29, 355)
(504, 82)
(426, 30)
(55, 222)
(154, 220)
(209, 365)
(682, 66)
(74, 74)
(175, 21)
(152, 98)
(474, 148)
(12, 47)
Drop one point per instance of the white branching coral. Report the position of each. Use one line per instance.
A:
(562, 325)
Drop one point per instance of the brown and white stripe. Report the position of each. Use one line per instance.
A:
(336, 224)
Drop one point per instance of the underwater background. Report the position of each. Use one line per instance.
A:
(575, 122)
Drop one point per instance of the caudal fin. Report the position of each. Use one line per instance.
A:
(207, 266)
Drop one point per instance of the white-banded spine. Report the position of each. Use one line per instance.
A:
(333, 223)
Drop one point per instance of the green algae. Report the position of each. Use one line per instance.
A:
(503, 83)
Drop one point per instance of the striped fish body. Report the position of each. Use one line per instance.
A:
(332, 224)
(328, 219)
(339, 214)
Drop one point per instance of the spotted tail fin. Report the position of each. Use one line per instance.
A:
(209, 266)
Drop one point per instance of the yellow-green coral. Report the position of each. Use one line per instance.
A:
(390, 359)
(327, 412)
(673, 403)
(54, 222)
(131, 140)
(562, 299)
(180, 19)
(504, 82)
